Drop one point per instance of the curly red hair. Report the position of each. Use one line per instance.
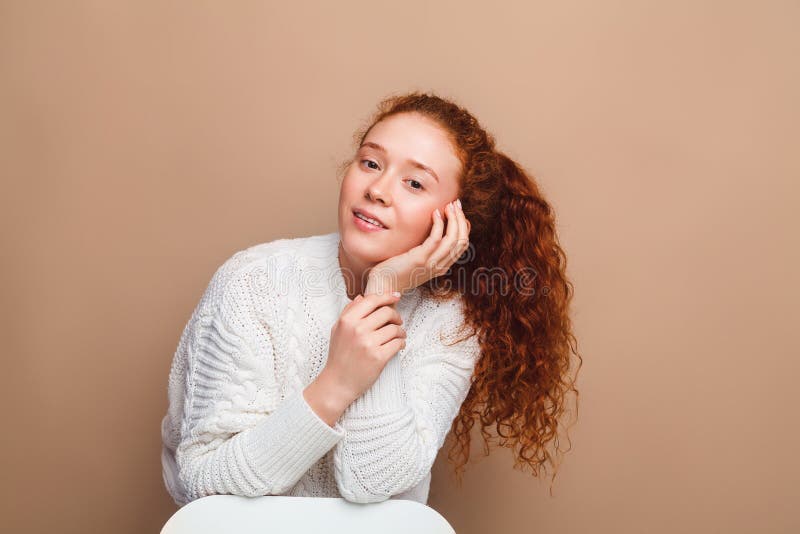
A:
(522, 380)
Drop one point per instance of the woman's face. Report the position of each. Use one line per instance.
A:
(384, 181)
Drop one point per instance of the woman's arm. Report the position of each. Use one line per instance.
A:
(395, 429)
(235, 435)
(327, 398)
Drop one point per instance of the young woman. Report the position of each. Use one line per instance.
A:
(335, 365)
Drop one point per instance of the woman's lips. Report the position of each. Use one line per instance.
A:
(361, 224)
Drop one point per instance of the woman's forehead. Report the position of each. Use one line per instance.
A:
(413, 137)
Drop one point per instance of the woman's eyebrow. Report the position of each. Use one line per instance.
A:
(415, 163)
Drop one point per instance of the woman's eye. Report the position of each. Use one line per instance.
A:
(418, 185)
(368, 161)
(416, 182)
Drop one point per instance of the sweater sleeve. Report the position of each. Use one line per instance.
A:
(236, 436)
(395, 429)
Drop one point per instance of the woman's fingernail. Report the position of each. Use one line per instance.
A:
(458, 201)
(437, 212)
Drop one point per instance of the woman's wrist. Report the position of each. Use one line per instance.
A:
(327, 398)
(380, 284)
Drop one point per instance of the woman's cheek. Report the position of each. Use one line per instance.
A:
(423, 232)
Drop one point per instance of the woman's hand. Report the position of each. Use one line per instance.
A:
(366, 336)
(430, 259)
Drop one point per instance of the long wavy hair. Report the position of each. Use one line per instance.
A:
(516, 295)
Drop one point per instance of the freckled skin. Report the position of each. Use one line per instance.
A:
(398, 193)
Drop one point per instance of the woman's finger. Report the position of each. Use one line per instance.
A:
(387, 333)
(382, 315)
(434, 237)
(388, 350)
(369, 303)
(354, 301)
(442, 257)
(463, 224)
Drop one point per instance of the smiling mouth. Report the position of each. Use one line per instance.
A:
(368, 220)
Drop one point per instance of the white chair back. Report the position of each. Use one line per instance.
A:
(232, 514)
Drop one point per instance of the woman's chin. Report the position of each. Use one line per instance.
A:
(362, 248)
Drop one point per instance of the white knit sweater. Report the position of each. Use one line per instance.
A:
(237, 422)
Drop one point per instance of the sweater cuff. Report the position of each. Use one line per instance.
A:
(291, 439)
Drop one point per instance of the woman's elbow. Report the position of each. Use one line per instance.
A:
(361, 496)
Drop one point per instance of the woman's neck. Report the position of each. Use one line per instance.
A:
(355, 273)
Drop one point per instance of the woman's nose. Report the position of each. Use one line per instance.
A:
(378, 190)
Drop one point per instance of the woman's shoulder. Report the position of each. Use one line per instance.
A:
(431, 306)
(442, 322)
(261, 268)
(281, 252)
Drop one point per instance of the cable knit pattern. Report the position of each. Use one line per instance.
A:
(237, 422)
(395, 429)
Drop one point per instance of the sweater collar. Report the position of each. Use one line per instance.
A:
(331, 290)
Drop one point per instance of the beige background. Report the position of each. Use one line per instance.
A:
(142, 143)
